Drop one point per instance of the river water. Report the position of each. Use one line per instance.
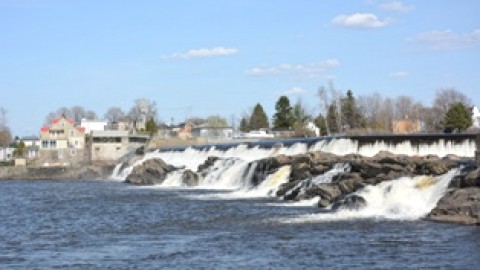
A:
(111, 225)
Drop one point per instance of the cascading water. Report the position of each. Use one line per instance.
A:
(401, 199)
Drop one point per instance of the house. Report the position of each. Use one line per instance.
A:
(406, 126)
(32, 146)
(212, 132)
(93, 125)
(6, 154)
(475, 117)
(111, 145)
(62, 143)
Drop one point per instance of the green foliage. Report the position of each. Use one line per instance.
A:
(258, 119)
(351, 115)
(300, 115)
(151, 126)
(458, 117)
(332, 118)
(20, 149)
(283, 117)
(321, 123)
(244, 125)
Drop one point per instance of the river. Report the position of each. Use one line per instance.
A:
(111, 225)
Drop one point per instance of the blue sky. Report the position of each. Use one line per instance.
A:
(222, 57)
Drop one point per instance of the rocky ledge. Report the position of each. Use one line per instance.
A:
(350, 173)
(87, 172)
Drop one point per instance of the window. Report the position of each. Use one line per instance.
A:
(44, 144)
(71, 133)
(76, 142)
(73, 152)
(53, 144)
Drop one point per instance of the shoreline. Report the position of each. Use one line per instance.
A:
(71, 173)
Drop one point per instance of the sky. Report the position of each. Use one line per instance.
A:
(212, 57)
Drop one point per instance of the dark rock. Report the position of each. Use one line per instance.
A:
(284, 188)
(460, 206)
(351, 202)
(151, 172)
(207, 164)
(327, 192)
(351, 185)
(468, 177)
(140, 151)
(435, 167)
(190, 178)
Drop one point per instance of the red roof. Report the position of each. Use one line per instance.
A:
(56, 120)
(44, 129)
(81, 129)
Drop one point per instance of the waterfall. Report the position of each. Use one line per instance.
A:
(405, 198)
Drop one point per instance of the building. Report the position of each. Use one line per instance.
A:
(62, 143)
(6, 154)
(32, 146)
(212, 132)
(406, 126)
(93, 125)
(111, 145)
(475, 117)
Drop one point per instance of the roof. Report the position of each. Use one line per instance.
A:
(29, 138)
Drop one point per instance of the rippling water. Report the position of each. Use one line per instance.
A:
(109, 225)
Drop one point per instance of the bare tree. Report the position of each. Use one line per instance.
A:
(403, 107)
(370, 106)
(114, 114)
(443, 100)
(143, 110)
(324, 104)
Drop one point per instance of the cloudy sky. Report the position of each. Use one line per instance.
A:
(222, 57)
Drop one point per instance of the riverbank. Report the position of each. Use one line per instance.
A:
(79, 172)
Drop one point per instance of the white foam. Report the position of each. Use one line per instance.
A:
(401, 199)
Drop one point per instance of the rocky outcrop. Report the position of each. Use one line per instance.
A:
(151, 172)
(461, 206)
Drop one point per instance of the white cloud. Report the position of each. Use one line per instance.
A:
(399, 74)
(294, 91)
(308, 69)
(361, 20)
(449, 40)
(203, 53)
(396, 6)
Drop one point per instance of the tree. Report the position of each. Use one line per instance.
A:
(244, 125)
(283, 117)
(352, 116)
(324, 104)
(321, 123)
(5, 135)
(458, 117)
(216, 121)
(151, 126)
(403, 107)
(142, 110)
(332, 120)
(20, 149)
(300, 115)
(258, 119)
(444, 99)
(114, 114)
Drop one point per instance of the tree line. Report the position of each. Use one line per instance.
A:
(343, 113)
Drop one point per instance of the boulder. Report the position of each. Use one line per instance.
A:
(461, 206)
(151, 172)
(351, 202)
(190, 178)
(207, 164)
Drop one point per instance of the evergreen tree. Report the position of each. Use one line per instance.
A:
(458, 117)
(283, 118)
(244, 125)
(332, 118)
(351, 115)
(258, 119)
(300, 114)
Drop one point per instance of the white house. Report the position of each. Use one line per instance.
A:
(6, 154)
(93, 125)
(475, 117)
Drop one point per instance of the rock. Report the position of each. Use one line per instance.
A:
(352, 184)
(435, 167)
(300, 171)
(327, 192)
(351, 202)
(468, 177)
(460, 206)
(151, 172)
(286, 187)
(207, 164)
(190, 178)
